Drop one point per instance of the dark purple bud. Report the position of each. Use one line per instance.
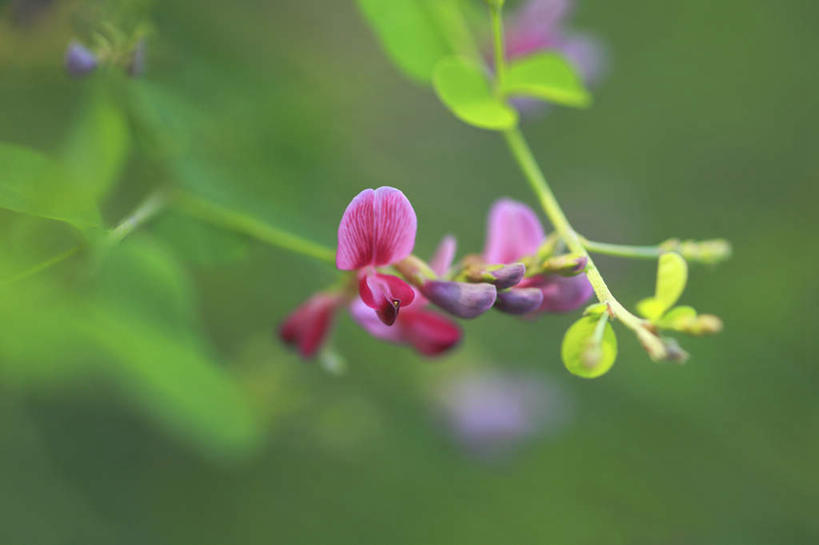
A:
(508, 275)
(460, 298)
(79, 60)
(136, 64)
(519, 300)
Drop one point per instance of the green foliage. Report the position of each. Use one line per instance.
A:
(135, 325)
(462, 86)
(32, 183)
(589, 347)
(677, 317)
(416, 34)
(672, 274)
(96, 149)
(546, 76)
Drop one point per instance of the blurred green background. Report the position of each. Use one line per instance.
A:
(144, 398)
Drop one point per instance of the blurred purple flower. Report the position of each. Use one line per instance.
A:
(541, 25)
(79, 60)
(492, 413)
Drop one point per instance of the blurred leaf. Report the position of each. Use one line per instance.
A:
(32, 183)
(167, 119)
(585, 352)
(416, 34)
(672, 274)
(462, 85)
(546, 76)
(138, 326)
(97, 147)
(677, 316)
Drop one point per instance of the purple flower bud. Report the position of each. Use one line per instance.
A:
(508, 275)
(519, 300)
(79, 60)
(460, 298)
(136, 64)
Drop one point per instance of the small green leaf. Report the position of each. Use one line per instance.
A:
(546, 76)
(462, 85)
(32, 183)
(411, 32)
(97, 147)
(587, 351)
(678, 317)
(672, 274)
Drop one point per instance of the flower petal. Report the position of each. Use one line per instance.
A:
(355, 233)
(444, 254)
(395, 226)
(429, 332)
(462, 299)
(307, 326)
(519, 300)
(563, 294)
(377, 228)
(513, 231)
(369, 320)
(386, 294)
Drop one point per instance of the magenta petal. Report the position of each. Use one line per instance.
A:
(513, 231)
(369, 320)
(395, 225)
(563, 294)
(429, 332)
(442, 260)
(377, 228)
(386, 294)
(356, 233)
(307, 326)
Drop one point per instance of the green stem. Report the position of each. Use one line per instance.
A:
(622, 250)
(249, 226)
(50, 262)
(499, 48)
(149, 208)
(537, 181)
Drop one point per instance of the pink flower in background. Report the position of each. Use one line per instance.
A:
(307, 326)
(378, 229)
(492, 413)
(513, 232)
(540, 25)
(429, 332)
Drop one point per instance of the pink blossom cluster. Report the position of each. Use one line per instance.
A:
(376, 237)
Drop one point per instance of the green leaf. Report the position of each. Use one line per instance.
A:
(415, 34)
(587, 351)
(137, 327)
(672, 274)
(97, 147)
(678, 317)
(461, 84)
(546, 76)
(32, 183)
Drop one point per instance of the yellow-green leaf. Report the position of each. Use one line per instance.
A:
(589, 347)
(546, 76)
(672, 274)
(462, 86)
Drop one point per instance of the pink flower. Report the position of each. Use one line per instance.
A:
(427, 331)
(308, 325)
(540, 25)
(513, 232)
(378, 229)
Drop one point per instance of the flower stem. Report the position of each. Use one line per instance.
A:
(622, 250)
(499, 48)
(150, 207)
(537, 181)
(254, 228)
(50, 262)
